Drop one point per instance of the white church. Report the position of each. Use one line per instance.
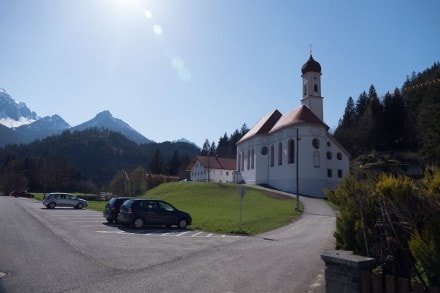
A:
(294, 152)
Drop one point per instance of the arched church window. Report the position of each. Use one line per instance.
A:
(291, 151)
(315, 87)
(272, 154)
(252, 158)
(316, 143)
(280, 153)
(316, 162)
(248, 159)
(305, 89)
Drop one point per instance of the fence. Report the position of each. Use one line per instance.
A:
(349, 273)
(380, 283)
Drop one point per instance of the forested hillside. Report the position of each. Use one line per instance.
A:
(405, 120)
(86, 161)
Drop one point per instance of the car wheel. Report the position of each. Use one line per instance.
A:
(51, 205)
(138, 223)
(182, 224)
(80, 206)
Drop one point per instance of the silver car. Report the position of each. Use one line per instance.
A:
(61, 199)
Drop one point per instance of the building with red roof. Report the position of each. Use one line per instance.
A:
(294, 152)
(212, 169)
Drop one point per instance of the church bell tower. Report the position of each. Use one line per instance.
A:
(311, 75)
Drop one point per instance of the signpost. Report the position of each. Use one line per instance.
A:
(241, 191)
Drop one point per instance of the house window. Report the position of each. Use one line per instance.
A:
(252, 158)
(339, 173)
(272, 153)
(339, 156)
(329, 155)
(291, 151)
(329, 173)
(280, 153)
(227, 173)
(316, 162)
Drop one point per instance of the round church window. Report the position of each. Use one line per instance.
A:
(316, 143)
(264, 150)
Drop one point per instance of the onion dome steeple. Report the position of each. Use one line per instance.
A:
(311, 66)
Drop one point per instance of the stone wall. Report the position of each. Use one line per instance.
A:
(343, 270)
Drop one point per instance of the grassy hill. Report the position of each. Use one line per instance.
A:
(215, 207)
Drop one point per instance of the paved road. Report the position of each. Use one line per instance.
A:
(72, 250)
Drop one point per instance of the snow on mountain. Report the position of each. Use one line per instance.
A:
(14, 114)
(44, 127)
(21, 125)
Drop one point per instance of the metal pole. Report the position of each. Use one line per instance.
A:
(297, 170)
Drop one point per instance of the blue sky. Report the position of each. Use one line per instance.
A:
(200, 68)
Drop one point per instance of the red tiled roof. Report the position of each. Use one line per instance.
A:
(213, 162)
(263, 126)
(275, 121)
(299, 115)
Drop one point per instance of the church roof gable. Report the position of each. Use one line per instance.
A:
(263, 126)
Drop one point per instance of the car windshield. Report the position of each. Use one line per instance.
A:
(112, 201)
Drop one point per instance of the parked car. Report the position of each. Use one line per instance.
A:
(140, 212)
(62, 199)
(112, 207)
(17, 193)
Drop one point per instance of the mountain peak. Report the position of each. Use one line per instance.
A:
(105, 113)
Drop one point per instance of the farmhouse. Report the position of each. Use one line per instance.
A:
(212, 169)
(294, 152)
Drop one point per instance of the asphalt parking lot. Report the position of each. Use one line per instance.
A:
(93, 221)
(64, 249)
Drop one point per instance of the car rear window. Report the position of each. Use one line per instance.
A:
(128, 203)
(112, 201)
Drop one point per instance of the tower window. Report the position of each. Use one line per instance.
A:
(315, 87)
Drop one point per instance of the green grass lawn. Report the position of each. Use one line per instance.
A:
(215, 207)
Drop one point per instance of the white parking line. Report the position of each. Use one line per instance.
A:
(183, 233)
(194, 235)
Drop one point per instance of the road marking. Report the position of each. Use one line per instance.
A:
(169, 234)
